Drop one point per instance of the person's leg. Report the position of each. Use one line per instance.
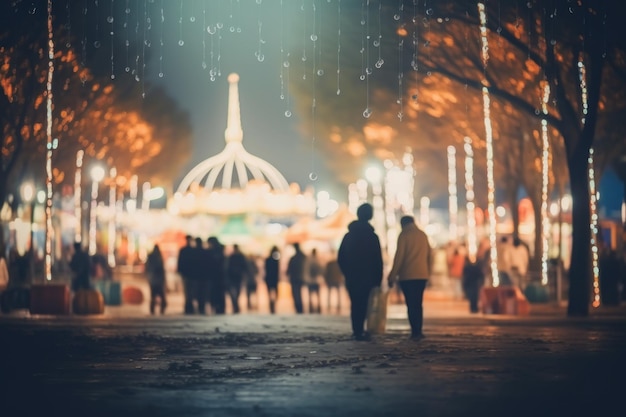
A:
(187, 283)
(152, 298)
(413, 291)
(358, 310)
(271, 294)
(163, 299)
(296, 292)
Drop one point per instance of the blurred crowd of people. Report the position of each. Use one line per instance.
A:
(213, 273)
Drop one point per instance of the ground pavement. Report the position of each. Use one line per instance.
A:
(128, 363)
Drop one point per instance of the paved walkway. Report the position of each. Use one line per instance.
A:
(128, 363)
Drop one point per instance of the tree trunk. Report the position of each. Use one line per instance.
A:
(580, 267)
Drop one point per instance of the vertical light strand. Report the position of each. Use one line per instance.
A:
(593, 200)
(415, 41)
(260, 56)
(545, 167)
(84, 42)
(96, 42)
(362, 50)
(137, 42)
(401, 33)
(593, 224)
(111, 21)
(470, 208)
(212, 30)
(181, 41)
(378, 43)
(285, 67)
(126, 32)
(68, 26)
(314, 38)
(161, 42)
(368, 70)
(452, 192)
(219, 25)
(112, 220)
(338, 47)
(78, 210)
(495, 279)
(205, 29)
(304, 41)
(144, 45)
(50, 145)
(282, 51)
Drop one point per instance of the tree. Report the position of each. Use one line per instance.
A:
(108, 120)
(439, 49)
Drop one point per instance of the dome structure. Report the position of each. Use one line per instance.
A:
(235, 181)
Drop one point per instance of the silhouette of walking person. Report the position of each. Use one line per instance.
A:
(272, 268)
(360, 259)
(155, 270)
(295, 272)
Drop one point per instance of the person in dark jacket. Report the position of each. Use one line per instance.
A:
(184, 269)
(272, 268)
(473, 279)
(295, 272)
(361, 262)
(80, 264)
(155, 270)
(237, 270)
(216, 275)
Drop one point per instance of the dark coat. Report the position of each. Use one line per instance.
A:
(360, 257)
(295, 268)
(81, 267)
(271, 271)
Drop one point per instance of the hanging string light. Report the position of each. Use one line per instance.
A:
(78, 232)
(161, 42)
(110, 20)
(470, 208)
(314, 39)
(126, 33)
(368, 70)
(414, 64)
(284, 68)
(50, 146)
(452, 192)
(545, 167)
(401, 33)
(495, 279)
(595, 268)
(338, 47)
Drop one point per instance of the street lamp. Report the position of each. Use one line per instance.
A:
(28, 196)
(97, 174)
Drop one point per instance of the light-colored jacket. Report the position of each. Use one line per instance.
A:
(412, 259)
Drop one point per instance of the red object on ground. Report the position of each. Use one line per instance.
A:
(49, 299)
(132, 295)
(504, 300)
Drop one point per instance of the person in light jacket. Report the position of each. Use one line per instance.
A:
(412, 268)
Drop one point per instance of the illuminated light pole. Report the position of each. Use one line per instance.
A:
(78, 210)
(97, 174)
(470, 208)
(112, 219)
(452, 192)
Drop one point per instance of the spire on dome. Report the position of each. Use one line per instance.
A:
(234, 132)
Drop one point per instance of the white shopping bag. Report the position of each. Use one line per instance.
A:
(377, 311)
